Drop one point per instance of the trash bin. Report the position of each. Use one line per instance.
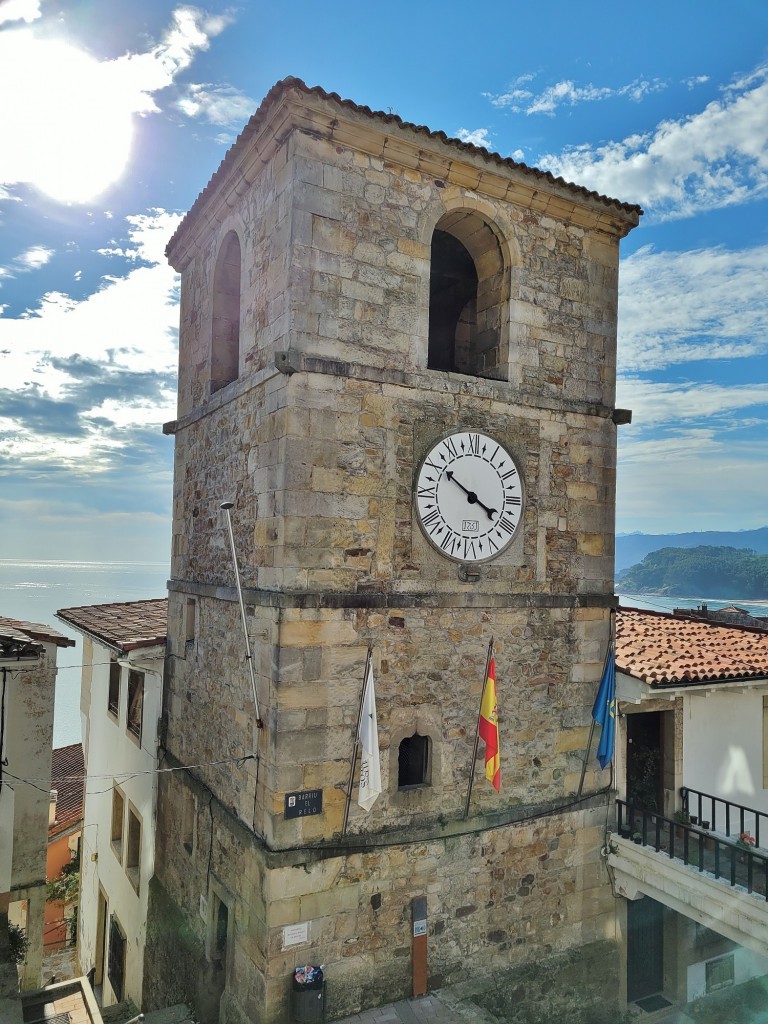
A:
(308, 995)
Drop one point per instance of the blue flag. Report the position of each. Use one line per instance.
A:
(604, 711)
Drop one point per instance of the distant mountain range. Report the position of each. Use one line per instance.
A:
(632, 548)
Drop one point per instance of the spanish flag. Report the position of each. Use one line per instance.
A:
(489, 728)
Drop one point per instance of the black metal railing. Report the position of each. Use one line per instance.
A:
(696, 847)
(723, 815)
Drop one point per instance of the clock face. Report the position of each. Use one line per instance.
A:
(469, 496)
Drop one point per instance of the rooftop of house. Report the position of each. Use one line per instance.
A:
(662, 649)
(392, 125)
(68, 779)
(21, 639)
(124, 626)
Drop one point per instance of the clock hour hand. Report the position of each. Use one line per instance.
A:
(472, 498)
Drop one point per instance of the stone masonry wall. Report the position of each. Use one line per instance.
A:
(497, 901)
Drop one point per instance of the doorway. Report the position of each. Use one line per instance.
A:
(645, 760)
(645, 949)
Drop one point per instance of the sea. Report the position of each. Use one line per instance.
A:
(35, 590)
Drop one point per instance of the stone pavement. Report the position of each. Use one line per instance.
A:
(434, 1008)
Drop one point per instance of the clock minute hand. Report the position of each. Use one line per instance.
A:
(472, 498)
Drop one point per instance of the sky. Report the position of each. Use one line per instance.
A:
(114, 117)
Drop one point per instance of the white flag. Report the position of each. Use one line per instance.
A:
(370, 772)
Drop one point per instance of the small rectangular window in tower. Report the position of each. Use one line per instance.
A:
(135, 703)
(133, 848)
(116, 833)
(188, 819)
(413, 768)
(113, 698)
(189, 620)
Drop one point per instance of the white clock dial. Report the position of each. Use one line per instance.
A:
(469, 496)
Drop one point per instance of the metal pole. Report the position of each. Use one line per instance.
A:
(477, 728)
(351, 782)
(226, 506)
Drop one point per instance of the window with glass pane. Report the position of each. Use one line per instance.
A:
(135, 702)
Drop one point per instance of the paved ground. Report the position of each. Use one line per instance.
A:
(430, 1008)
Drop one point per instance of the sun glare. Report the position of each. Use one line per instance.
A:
(68, 133)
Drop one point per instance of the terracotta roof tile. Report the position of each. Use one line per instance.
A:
(68, 779)
(286, 84)
(669, 650)
(34, 631)
(124, 626)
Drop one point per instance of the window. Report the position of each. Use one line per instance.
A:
(135, 703)
(413, 768)
(113, 700)
(225, 328)
(467, 293)
(133, 848)
(188, 818)
(719, 973)
(116, 958)
(189, 620)
(116, 834)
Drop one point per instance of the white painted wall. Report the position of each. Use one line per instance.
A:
(723, 749)
(112, 755)
(746, 965)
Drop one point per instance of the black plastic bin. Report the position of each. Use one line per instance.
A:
(308, 1000)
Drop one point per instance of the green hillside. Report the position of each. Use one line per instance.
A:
(717, 572)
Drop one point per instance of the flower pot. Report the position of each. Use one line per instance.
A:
(704, 824)
(694, 820)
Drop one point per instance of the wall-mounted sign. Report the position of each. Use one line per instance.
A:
(293, 934)
(300, 805)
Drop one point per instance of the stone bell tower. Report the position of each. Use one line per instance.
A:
(397, 361)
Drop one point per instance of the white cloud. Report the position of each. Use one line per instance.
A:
(567, 93)
(655, 404)
(221, 105)
(34, 258)
(696, 80)
(476, 137)
(19, 10)
(680, 307)
(715, 158)
(76, 374)
(690, 481)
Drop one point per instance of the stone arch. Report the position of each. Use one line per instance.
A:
(225, 324)
(468, 296)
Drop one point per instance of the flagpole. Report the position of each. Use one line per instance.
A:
(357, 743)
(477, 728)
(594, 723)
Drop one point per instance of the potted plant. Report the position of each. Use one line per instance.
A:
(637, 837)
(682, 818)
(746, 841)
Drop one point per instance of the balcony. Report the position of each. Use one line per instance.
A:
(702, 874)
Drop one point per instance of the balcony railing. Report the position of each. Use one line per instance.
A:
(724, 815)
(696, 847)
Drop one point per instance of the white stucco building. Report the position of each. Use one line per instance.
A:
(27, 683)
(691, 737)
(121, 703)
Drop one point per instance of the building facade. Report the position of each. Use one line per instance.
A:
(120, 704)
(397, 361)
(27, 682)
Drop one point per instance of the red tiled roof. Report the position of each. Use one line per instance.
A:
(286, 84)
(124, 626)
(68, 779)
(673, 650)
(34, 631)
